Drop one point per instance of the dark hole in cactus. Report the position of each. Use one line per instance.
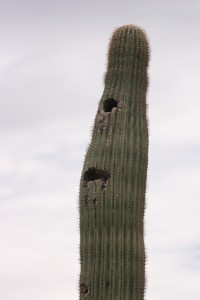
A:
(84, 289)
(109, 104)
(93, 173)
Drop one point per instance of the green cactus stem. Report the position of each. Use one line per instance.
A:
(113, 180)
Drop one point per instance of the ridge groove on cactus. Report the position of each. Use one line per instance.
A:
(113, 181)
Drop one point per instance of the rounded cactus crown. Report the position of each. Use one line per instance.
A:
(128, 47)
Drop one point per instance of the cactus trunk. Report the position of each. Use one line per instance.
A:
(113, 180)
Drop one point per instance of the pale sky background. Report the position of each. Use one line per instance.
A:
(53, 57)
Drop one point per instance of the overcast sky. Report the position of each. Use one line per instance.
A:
(52, 62)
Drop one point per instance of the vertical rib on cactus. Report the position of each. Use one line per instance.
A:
(113, 180)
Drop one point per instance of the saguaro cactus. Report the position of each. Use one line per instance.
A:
(113, 180)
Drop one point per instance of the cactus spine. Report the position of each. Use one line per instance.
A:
(113, 180)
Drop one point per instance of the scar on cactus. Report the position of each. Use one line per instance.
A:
(95, 201)
(84, 289)
(106, 108)
(86, 199)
